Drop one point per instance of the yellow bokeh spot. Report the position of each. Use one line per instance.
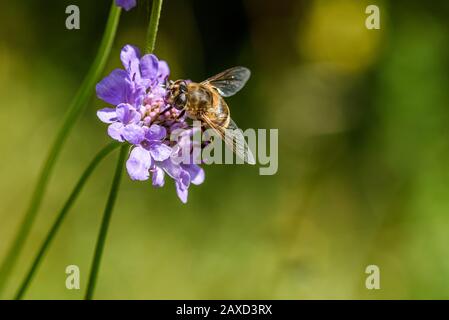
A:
(335, 33)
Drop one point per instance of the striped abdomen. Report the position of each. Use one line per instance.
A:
(205, 101)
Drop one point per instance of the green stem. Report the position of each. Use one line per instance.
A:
(75, 109)
(62, 214)
(105, 223)
(153, 25)
(151, 40)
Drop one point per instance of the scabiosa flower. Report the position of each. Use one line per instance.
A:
(143, 118)
(126, 4)
(154, 156)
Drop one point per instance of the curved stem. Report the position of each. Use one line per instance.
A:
(76, 107)
(62, 214)
(105, 223)
(153, 25)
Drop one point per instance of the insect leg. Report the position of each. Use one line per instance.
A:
(181, 114)
(166, 109)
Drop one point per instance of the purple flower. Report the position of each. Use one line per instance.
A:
(141, 162)
(124, 123)
(154, 156)
(143, 118)
(151, 149)
(126, 4)
(130, 85)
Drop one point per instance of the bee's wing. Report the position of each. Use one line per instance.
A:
(233, 138)
(229, 82)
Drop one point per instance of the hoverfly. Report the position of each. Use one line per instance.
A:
(204, 102)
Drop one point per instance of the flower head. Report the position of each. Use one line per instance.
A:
(143, 118)
(126, 4)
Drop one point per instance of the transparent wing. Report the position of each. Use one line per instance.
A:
(234, 139)
(229, 82)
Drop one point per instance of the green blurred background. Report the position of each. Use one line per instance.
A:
(363, 174)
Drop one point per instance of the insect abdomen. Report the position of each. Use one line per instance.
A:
(206, 101)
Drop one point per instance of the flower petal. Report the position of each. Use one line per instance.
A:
(156, 133)
(160, 151)
(123, 110)
(182, 193)
(126, 4)
(184, 179)
(136, 92)
(149, 65)
(135, 116)
(107, 115)
(112, 89)
(115, 131)
(158, 177)
(126, 113)
(163, 71)
(138, 164)
(171, 168)
(133, 133)
(182, 186)
(158, 92)
(130, 57)
(196, 173)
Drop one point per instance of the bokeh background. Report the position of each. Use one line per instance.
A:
(363, 176)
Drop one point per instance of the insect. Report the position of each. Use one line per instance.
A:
(204, 102)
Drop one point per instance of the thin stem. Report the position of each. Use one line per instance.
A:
(62, 214)
(105, 223)
(75, 109)
(153, 25)
(151, 40)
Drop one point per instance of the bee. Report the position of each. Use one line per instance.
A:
(205, 102)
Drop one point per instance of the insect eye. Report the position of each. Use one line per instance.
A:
(180, 101)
